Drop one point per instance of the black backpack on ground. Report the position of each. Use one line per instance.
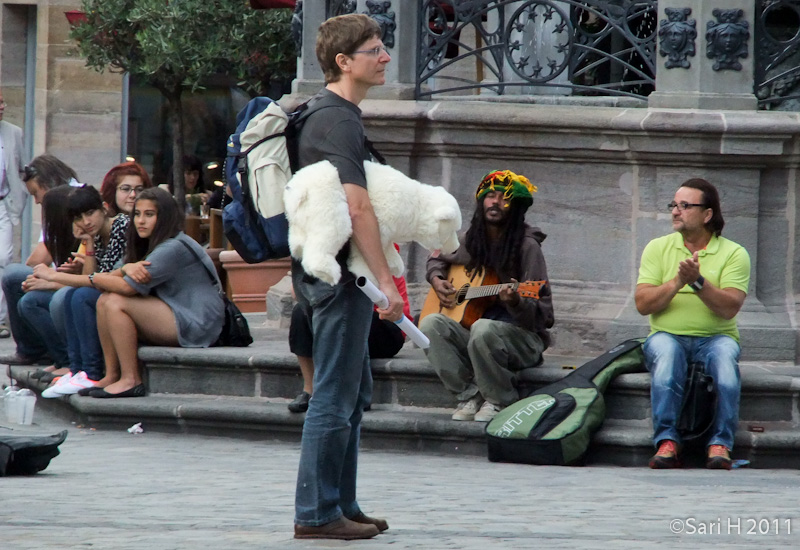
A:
(699, 406)
(554, 424)
(28, 454)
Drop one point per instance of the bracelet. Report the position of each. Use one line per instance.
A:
(89, 253)
(91, 279)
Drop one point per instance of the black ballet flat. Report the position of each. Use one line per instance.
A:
(136, 391)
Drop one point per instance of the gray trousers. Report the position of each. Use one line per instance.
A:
(482, 359)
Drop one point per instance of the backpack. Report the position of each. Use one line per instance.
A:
(698, 408)
(261, 158)
(28, 454)
(554, 424)
(257, 168)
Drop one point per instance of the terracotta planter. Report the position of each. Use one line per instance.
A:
(247, 283)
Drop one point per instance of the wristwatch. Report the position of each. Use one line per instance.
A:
(697, 286)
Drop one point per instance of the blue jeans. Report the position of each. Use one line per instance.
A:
(83, 340)
(326, 479)
(34, 310)
(667, 357)
(29, 316)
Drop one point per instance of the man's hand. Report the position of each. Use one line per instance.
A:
(444, 290)
(395, 310)
(509, 296)
(689, 270)
(138, 272)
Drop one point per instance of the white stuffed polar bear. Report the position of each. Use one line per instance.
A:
(406, 210)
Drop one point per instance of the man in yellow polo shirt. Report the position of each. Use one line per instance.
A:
(692, 284)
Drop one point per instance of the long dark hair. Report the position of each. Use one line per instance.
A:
(710, 200)
(168, 224)
(503, 259)
(57, 224)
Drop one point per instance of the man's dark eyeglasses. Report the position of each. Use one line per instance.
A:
(683, 205)
(30, 172)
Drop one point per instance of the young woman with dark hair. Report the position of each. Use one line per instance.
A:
(30, 297)
(163, 295)
(104, 239)
(45, 174)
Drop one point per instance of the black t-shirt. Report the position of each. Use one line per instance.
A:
(334, 132)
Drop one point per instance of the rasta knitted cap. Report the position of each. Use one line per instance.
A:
(514, 187)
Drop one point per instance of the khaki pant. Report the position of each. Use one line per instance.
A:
(482, 359)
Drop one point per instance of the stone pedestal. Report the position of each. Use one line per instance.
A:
(686, 77)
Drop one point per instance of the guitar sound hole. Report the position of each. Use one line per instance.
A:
(461, 295)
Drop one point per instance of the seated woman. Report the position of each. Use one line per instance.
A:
(31, 297)
(193, 184)
(121, 185)
(104, 240)
(162, 296)
(44, 174)
(118, 190)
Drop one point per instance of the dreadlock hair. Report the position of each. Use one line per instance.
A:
(502, 257)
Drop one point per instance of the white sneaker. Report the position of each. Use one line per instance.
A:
(74, 384)
(50, 391)
(466, 409)
(487, 412)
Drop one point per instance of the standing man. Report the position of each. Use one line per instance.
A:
(692, 283)
(353, 59)
(12, 197)
(478, 364)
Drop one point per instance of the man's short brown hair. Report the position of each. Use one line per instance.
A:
(342, 34)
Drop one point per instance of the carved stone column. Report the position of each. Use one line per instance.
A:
(705, 56)
(398, 21)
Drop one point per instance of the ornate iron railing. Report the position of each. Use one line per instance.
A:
(777, 54)
(589, 47)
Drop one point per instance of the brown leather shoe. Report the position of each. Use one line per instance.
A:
(342, 528)
(381, 524)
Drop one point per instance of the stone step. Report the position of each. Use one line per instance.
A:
(770, 391)
(392, 427)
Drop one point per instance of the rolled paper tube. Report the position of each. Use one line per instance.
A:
(405, 324)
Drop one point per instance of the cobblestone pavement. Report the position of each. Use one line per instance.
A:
(114, 490)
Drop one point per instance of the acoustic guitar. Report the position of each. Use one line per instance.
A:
(467, 309)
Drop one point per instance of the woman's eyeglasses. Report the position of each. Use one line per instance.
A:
(127, 189)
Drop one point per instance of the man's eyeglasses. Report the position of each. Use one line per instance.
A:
(127, 189)
(30, 172)
(683, 205)
(374, 52)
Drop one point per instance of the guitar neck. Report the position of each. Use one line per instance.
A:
(488, 290)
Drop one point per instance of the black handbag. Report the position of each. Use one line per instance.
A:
(699, 406)
(235, 330)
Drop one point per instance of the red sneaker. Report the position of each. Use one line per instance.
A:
(666, 457)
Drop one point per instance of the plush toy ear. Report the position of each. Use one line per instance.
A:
(445, 213)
